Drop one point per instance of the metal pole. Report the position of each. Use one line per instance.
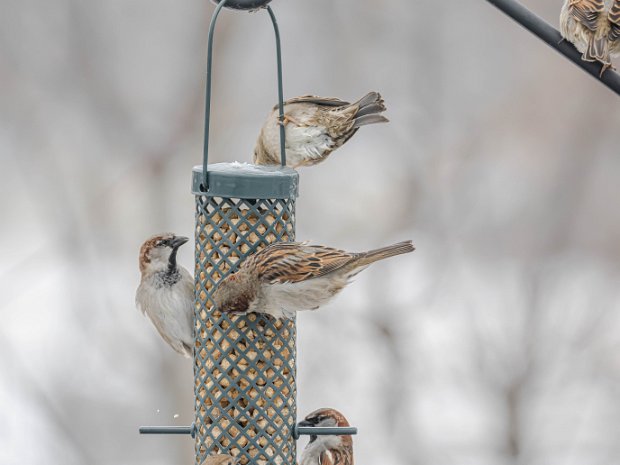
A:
(553, 38)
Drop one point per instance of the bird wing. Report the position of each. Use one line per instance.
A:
(292, 262)
(587, 12)
(315, 100)
(334, 457)
(614, 19)
(326, 458)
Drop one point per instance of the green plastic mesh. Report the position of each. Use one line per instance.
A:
(244, 365)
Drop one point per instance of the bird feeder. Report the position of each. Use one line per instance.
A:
(244, 365)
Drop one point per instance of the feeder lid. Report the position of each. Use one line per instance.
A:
(246, 181)
(244, 4)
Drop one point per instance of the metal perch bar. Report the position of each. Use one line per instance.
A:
(553, 38)
(298, 431)
(167, 430)
(323, 431)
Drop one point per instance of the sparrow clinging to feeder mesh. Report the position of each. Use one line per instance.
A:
(166, 291)
(593, 26)
(219, 459)
(327, 450)
(315, 127)
(286, 277)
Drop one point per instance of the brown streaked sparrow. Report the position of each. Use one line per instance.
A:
(593, 27)
(219, 459)
(166, 291)
(286, 277)
(327, 450)
(315, 127)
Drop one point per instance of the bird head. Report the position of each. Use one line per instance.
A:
(220, 459)
(326, 417)
(235, 293)
(159, 253)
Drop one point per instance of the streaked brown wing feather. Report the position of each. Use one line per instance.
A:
(587, 12)
(295, 262)
(335, 457)
(326, 458)
(614, 19)
(313, 99)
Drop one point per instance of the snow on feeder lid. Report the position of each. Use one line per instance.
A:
(246, 181)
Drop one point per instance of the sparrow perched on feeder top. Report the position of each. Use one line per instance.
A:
(287, 276)
(315, 127)
(327, 450)
(593, 26)
(166, 291)
(219, 459)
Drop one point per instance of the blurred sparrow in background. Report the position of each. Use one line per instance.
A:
(286, 277)
(593, 26)
(220, 459)
(327, 450)
(315, 127)
(166, 291)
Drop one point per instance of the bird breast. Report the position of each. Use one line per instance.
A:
(170, 308)
(283, 300)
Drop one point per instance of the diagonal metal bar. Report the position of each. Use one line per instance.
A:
(552, 37)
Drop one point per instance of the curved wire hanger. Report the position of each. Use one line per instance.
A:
(241, 5)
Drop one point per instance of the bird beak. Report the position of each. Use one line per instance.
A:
(178, 241)
(306, 423)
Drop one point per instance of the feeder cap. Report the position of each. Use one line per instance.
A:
(244, 4)
(246, 181)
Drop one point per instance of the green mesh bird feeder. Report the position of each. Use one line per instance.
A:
(244, 365)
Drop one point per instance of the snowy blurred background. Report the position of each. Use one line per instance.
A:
(497, 342)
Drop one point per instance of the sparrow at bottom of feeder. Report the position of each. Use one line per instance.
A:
(327, 450)
(593, 27)
(314, 128)
(287, 277)
(166, 291)
(219, 459)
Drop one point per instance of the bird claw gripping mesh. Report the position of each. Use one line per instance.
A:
(244, 365)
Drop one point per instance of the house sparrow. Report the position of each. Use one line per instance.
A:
(593, 26)
(166, 291)
(315, 127)
(286, 277)
(327, 450)
(219, 459)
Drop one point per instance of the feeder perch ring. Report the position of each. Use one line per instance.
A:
(244, 4)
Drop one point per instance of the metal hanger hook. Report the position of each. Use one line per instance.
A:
(222, 4)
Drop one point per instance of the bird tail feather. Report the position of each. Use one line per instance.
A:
(369, 107)
(389, 251)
